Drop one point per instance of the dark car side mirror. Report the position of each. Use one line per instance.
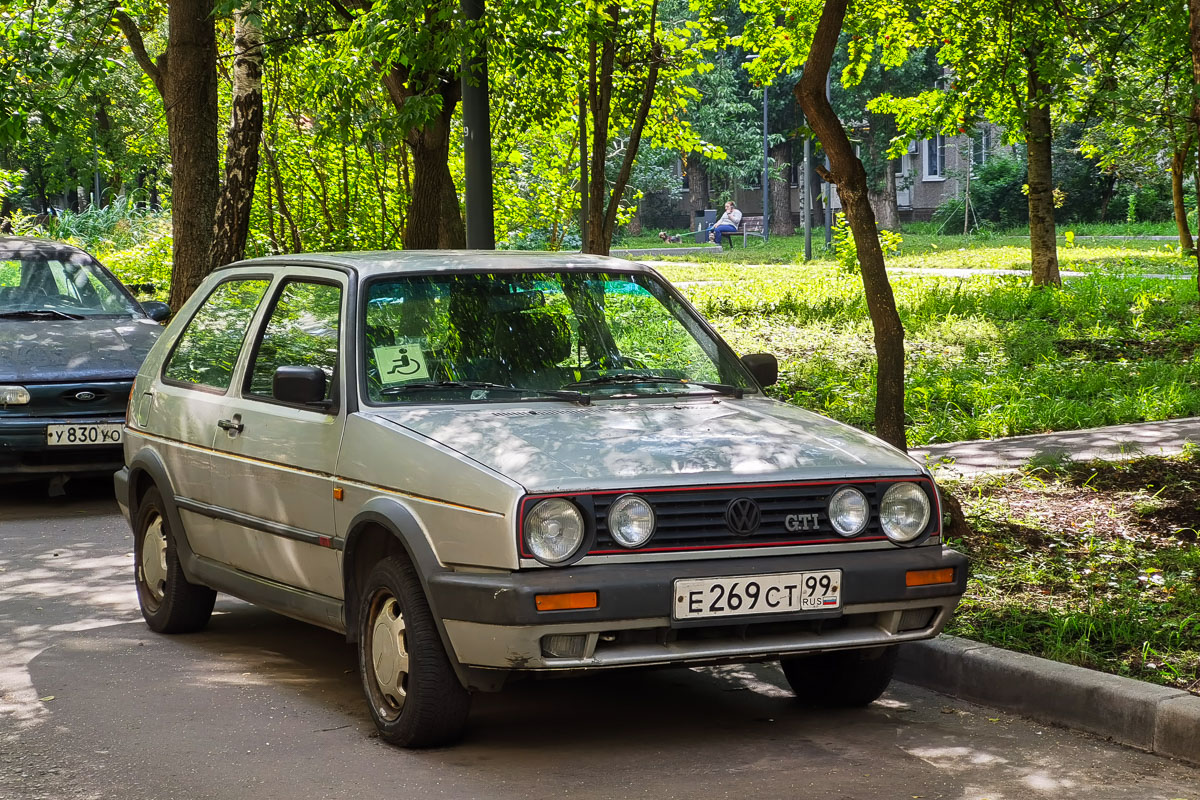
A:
(764, 367)
(156, 310)
(299, 385)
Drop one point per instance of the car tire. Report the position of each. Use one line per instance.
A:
(170, 603)
(841, 678)
(412, 690)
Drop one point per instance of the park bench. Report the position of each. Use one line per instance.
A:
(751, 226)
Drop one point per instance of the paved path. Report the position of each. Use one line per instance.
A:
(1112, 442)
(94, 706)
(949, 272)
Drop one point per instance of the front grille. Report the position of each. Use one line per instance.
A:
(695, 519)
(74, 399)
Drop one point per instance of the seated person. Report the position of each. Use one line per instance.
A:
(728, 223)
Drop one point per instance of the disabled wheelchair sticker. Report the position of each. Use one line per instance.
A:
(400, 363)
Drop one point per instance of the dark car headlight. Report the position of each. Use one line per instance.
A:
(14, 396)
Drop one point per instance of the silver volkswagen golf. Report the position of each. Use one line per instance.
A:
(477, 465)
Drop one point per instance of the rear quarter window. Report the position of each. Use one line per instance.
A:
(208, 349)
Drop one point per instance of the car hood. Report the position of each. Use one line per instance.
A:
(93, 349)
(557, 447)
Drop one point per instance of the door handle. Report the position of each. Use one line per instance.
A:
(232, 425)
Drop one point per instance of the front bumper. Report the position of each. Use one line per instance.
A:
(25, 454)
(492, 621)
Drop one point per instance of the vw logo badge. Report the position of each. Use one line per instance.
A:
(743, 516)
(85, 396)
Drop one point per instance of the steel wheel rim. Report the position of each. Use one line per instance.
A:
(388, 651)
(154, 559)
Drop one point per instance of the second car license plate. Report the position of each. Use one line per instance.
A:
(83, 435)
(758, 594)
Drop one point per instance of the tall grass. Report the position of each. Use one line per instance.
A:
(121, 225)
(986, 356)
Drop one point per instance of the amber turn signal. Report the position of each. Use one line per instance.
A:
(339, 493)
(929, 577)
(566, 602)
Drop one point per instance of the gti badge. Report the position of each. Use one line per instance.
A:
(801, 522)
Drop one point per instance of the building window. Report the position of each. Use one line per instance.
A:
(935, 158)
(981, 147)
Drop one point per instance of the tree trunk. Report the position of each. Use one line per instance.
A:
(434, 216)
(186, 78)
(231, 224)
(781, 223)
(698, 198)
(1179, 161)
(884, 204)
(599, 103)
(1194, 46)
(634, 227)
(816, 206)
(848, 174)
(602, 217)
(1043, 246)
(1106, 196)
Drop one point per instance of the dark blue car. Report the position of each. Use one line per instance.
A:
(71, 340)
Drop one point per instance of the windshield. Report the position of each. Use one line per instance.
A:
(34, 285)
(555, 336)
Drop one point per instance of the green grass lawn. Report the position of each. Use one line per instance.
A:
(988, 356)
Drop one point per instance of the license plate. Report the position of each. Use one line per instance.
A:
(758, 594)
(83, 435)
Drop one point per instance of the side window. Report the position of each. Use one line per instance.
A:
(208, 349)
(301, 331)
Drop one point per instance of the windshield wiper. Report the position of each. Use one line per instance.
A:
(39, 312)
(393, 391)
(637, 377)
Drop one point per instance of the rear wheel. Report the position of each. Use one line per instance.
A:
(169, 602)
(413, 693)
(841, 678)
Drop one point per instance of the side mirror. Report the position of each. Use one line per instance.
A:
(298, 385)
(156, 310)
(764, 367)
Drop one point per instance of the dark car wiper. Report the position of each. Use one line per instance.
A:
(39, 312)
(393, 391)
(638, 377)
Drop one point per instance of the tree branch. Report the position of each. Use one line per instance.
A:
(138, 47)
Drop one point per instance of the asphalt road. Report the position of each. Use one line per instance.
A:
(94, 705)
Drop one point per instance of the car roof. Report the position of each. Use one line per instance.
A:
(368, 263)
(27, 246)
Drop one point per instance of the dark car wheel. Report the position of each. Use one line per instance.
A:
(412, 690)
(842, 678)
(169, 602)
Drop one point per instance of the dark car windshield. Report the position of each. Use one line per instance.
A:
(554, 336)
(68, 286)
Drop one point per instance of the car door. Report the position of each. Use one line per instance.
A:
(185, 403)
(273, 460)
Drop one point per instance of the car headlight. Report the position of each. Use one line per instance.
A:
(554, 530)
(13, 396)
(630, 521)
(904, 512)
(849, 511)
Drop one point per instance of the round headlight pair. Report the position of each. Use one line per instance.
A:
(903, 512)
(555, 530)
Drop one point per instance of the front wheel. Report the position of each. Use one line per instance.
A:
(413, 693)
(840, 678)
(169, 602)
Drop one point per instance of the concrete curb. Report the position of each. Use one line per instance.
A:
(1153, 718)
